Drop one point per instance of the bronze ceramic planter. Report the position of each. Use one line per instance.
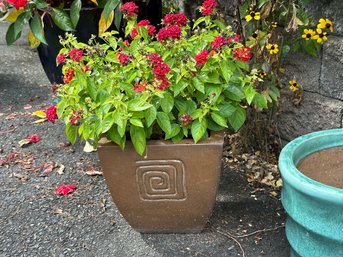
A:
(172, 189)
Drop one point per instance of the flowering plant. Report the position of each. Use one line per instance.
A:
(179, 82)
(21, 12)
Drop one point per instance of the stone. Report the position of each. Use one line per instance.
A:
(305, 69)
(331, 9)
(332, 74)
(315, 113)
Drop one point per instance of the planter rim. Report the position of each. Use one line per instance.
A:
(216, 137)
(298, 149)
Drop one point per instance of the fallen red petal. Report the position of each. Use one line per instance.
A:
(65, 189)
(34, 138)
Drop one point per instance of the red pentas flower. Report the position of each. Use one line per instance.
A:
(17, 3)
(140, 87)
(185, 119)
(155, 58)
(51, 114)
(151, 28)
(65, 189)
(175, 19)
(172, 31)
(123, 58)
(129, 9)
(161, 70)
(201, 57)
(74, 118)
(61, 58)
(237, 38)
(161, 83)
(208, 7)
(34, 138)
(242, 53)
(217, 42)
(76, 54)
(68, 76)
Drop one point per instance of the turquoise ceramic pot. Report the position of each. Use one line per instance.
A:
(314, 226)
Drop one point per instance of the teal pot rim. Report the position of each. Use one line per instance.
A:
(298, 149)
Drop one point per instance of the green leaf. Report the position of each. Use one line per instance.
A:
(75, 12)
(227, 68)
(250, 93)
(41, 4)
(198, 129)
(137, 122)
(138, 139)
(198, 85)
(234, 93)
(117, 17)
(211, 125)
(107, 122)
(179, 87)
(14, 30)
(164, 122)
(71, 132)
(150, 115)
(109, 7)
(116, 138)
(36, 26)
(167, 102)
(198, 21)
(175, 129)
(237, 119)
(260, 101)
(219, 119)
(136, 105)
(61, 19)
(226, 109)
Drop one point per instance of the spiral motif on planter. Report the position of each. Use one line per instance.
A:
(161, 180)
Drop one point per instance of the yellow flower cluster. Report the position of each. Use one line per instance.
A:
(319, 34)
(252, 15)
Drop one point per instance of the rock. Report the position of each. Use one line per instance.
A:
(315, 113)
(332, 75)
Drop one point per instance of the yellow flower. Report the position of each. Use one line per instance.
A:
(262, 74)
(273, 48)
(321, 36)
(325, 24)
(293, 85)
(308, 34)
(274, 24)
(253, 15)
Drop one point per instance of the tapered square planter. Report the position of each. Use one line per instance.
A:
(171, 189)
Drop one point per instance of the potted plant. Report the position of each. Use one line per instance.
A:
(312, 193)
(48, 20)
(156, 106)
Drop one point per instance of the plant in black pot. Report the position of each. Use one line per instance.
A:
(48, 20)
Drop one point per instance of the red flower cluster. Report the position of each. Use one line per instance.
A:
(84, 70)
(201, 57)
(74, 118)
(140, 87)
(17, 3)
(76, 54)
(160, 69)
(217, 42)
(34, 138)
(155, 58)
(172, 31)
(242, 54)
(61, 59)
(208, 7)
(237, 38)
(65, 189)
(51, 113)
(185, 119)
(151, 28)
(123, 58)
(129, 9)
(68, 76)
(178, 19)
